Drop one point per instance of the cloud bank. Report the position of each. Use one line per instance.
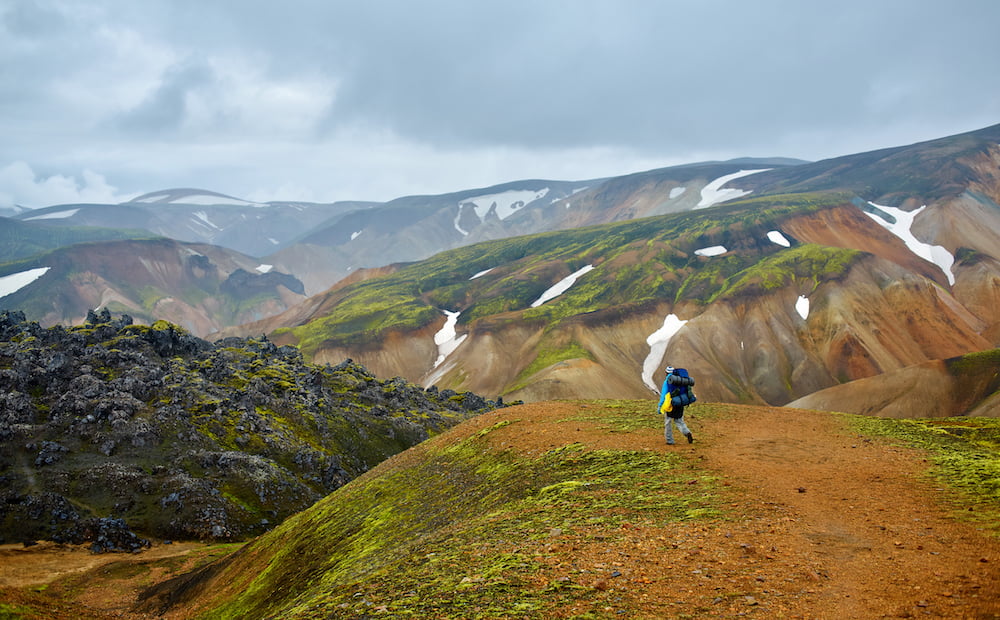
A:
(316, 100)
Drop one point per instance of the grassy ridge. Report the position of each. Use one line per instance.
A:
(634, 262)
(460, 531)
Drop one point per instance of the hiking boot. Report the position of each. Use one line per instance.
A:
(690, 437)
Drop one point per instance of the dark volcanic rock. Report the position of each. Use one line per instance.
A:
(154, 430)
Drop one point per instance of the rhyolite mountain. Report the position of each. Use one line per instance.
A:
(320, 243)
(108, 425)
(803, 278)
(201, 287)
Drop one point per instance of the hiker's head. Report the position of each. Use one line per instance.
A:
(670, 369)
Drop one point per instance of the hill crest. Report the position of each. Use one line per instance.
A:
(573, 508)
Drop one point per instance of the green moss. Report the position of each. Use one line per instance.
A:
(808, 262)
(16, 612)
(975, 363)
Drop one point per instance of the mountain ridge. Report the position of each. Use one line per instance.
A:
(577, 507)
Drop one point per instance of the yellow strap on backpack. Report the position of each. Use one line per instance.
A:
(667, 405)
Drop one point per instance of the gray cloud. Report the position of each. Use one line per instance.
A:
(342, 100)
(165, 109)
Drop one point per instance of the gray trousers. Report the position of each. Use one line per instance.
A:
(668, 431)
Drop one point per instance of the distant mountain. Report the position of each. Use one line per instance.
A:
(767, 297)
(200, 216)
(23, 239)
(416, 227)
(200, 287)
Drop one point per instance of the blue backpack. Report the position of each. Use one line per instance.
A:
(681, 383)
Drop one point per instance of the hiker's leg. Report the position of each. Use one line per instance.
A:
(681, 426)
(668, 431)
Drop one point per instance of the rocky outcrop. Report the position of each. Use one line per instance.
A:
(181, 438)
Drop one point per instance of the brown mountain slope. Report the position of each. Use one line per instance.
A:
(964, 386)
(874, 318)
(198, 286)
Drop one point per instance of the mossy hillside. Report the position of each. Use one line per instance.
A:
(977, 363)
(458, 529)
(185, 439)
(804, 263)
(965, 453)
(634, 261)
(19, 240)
(549, 354)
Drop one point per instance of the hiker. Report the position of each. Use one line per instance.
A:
(674, 385)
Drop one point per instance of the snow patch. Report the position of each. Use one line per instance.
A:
(658, 342)
(447, 339)
(153, 197)
(677, 191)
(201, 215)
(273, 240)
(935, 254)
(714, 250)
(198, 199)
(561, 287)
(802, 306)
(16, 281)
(776, 237)
(713, 194)
(57, 215)
(482, 273)
(457, 227)
(264, 268)
(507, 203)
(355, 235)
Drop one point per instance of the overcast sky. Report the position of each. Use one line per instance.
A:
(102, 100)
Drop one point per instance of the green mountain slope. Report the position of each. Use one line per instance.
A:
(24, 239)
(636, 262)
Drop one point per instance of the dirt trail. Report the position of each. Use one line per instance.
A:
(829, 524)
(879, 536)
